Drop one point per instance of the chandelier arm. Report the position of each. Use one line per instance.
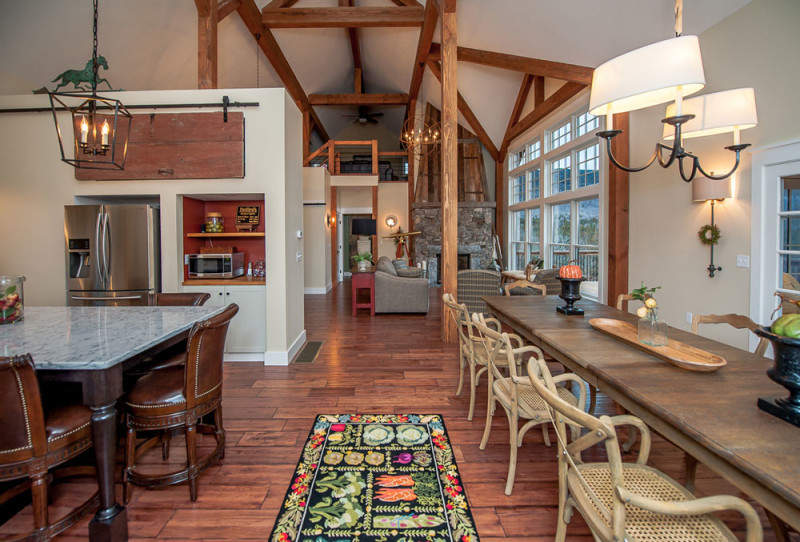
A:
(695, 167)
(673, 153)
(608, 136)
(719, 177)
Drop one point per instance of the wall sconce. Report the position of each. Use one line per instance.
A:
(707, 189)
(391, 221)
(328, 219)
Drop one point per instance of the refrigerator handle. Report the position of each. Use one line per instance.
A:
(107, 252)
(97, 246)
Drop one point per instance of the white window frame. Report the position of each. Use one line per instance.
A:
(541, 131)
(770, 166)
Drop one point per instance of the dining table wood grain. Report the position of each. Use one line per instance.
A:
(711, 415)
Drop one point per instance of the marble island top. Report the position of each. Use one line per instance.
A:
(94, 337)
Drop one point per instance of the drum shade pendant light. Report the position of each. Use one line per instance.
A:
(663, 72)
(101, 126)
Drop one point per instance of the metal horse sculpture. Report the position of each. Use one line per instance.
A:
(86, 75)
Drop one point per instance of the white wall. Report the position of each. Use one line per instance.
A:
(392, 200)
(317, 238)
(35, 185)
(755, 47)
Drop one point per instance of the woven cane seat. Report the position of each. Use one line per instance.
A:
(530, 402)
(644, 525)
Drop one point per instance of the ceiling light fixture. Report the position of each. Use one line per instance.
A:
(419, 134)
(101, 126)
(662, 72)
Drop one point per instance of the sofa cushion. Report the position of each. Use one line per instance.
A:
(413, 272)
(385, 265)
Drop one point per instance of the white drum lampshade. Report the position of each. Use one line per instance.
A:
(648, 76)
(716, 113)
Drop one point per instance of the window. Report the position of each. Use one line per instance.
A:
(789, 249)
(561, 135)
(560, 180)
(588, 166)
(558, 215)
(518, 191)
(533, 183)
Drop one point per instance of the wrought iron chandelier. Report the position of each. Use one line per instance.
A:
(662, 72)
(101, 126)
(419, 134)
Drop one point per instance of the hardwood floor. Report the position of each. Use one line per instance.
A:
(382, 364)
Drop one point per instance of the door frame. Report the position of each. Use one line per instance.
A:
(343, 273)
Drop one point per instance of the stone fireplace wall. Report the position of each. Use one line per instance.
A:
(475, 221)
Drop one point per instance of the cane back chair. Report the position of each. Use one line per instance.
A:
(515, 394)
(177, 397)
(626, 501)
(34, 440)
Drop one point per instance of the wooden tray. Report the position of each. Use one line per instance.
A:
(677, 353)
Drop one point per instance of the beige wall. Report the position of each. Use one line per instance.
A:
(392, 200)
(35, 185)
(317, 238)
(756, 46)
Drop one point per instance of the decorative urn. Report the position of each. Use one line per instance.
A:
(786, 372)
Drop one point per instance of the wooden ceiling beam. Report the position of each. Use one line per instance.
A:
(251, 17)
(358, 99)
(355, 47)
(343, 17)
(516, 113)
(557, 99)
(423, 46)
(538, 90)
(469, 116)
(207, 19)
(226, 7)
(535, 66)
(281, 3)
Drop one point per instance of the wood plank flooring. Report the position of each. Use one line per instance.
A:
(381, 364)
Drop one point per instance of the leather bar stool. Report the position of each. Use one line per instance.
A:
(179, 299)
(177, 397)
(32, 442)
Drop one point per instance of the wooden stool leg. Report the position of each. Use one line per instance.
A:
(191, 459)
(39, 497)
(130, 456)
(219, 431)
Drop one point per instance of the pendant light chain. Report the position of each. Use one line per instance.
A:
(94, 50)
(678, 18)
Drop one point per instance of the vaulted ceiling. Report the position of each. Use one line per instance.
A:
(152, 44)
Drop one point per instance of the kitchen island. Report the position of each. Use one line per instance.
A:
(92, 346)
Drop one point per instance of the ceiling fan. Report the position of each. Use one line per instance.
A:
(364, 116)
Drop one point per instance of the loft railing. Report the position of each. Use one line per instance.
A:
(360, 158)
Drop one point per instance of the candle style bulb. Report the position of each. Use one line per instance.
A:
(104, 132)
(84, 130)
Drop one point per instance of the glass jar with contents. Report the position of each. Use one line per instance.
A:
(11, 299)
(214, 223)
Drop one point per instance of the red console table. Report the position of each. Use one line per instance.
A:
(363, 279)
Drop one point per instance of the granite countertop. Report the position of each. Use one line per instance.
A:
(94, 337)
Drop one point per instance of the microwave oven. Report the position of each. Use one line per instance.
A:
(216, 265)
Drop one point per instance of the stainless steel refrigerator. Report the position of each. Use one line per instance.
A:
(113, 254)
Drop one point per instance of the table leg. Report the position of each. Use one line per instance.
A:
(110, 523)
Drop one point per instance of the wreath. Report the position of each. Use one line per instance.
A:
(709, 234)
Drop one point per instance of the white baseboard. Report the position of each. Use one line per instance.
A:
(283, 358)
(316, 291)
(244, 357)
(329, 287)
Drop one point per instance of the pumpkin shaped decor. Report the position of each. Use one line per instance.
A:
(570, 272)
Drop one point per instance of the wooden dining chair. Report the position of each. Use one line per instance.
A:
(737, 321)
(34, 441)
(176, 398)
(626, 501)
(472, 353)
(622, 298)
(524, 287)
(515, 394)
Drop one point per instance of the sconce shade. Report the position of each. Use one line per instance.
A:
(716, 113)
(364, 226)
(391, 221)
(704, 189)
(648, 76)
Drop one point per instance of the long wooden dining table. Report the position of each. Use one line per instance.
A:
(711, 415)
(92, 346)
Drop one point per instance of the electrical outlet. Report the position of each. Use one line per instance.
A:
(742, 260)
(688, 317)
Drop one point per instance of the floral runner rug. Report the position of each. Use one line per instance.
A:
(386, 477)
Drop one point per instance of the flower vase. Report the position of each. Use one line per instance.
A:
(362, 265)
(652, 331)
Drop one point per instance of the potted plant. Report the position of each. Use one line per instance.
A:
(362, 259)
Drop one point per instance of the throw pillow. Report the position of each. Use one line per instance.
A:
(411, 272)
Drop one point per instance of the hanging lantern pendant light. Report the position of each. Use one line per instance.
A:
(101, 126)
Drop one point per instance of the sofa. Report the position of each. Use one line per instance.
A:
(396, 293)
